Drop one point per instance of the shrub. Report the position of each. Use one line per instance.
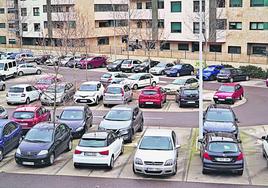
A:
(254, 71)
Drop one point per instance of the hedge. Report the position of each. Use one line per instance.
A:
(254, 71)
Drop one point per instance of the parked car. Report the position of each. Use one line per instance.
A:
(78, 118)
(112, 77)
(229, 92)
(221, 153)
(64, 61)
(3, 113)
(22, 93)
(161, 68)
(156, 153)
(93, 62)
(138, 80)
(74, 62)
(89, 93)
(232, 75)
(8, 69)
(41, 59)
(43, 143)
(178, 83)
(52, 61)
(98, 148)
(25, 57)
(10, 136)
(125, 119)
(115, 66)
(24, 69)
(188, 97)
(211, 72)
(2, 85)
(152, 96)
(145, 66)
(128, 65)
(43, 83)
(265, 146)
(64, 93)
(220, 118)
(29, 116)
(180, 70)
(117, 94)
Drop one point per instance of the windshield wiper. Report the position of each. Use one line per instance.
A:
(229, 152)
(37, 141)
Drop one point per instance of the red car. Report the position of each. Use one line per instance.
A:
(152, 96)
(267, 82)
(43, 83)
(229, 92)
(93, 62)
(29, 116)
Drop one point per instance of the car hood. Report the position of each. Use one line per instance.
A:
(211, 126)
(51, 95)
(173, 70)
(154, 155)
(158, 69)
(112, 65)
(223, 94)
(26, 146)
(73, 124)
(85, 93)
(114, 125)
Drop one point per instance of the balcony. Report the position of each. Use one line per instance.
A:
(64, 2)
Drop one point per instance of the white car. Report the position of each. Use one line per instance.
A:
(98, 148)
(28, 69)
(112, 77)
(138, 80)
(22, 93)
(89, 93)
(65, 60)
(156, 153)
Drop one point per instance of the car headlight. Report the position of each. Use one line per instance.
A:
(18, 151)
(228, 97)
(215, 96)
(92, 95)
(138, 161)
(43, 152)
(169, 162)
(79, 129)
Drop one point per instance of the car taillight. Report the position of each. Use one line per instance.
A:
(240, 157)
(110, 79)
(23, 95)
(77, 152)
(122, 92)
(104, 152)
(129, 65)
(206, 156)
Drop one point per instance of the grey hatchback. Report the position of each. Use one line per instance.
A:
(123, 118)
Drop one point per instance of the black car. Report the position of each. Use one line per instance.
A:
(78, 118)
(42, 59)
(115, 66)
(43, 143)
(220, 118)
(220, 153)
(232, 75)
(188, 97)
(145, 66)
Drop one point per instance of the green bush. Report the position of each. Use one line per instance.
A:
(254, 71)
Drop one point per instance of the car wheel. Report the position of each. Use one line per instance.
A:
(97, 101)
(27, 101)
(51, 159)
(4, 78)
(122, 149)
(232, 101)
(162, 72)
(153, 84)
(130, 136)
(247, 78)
(20, 73)
(14, 75)
(1, 154)
(111, 165)
(192, 72)
(240, 172)
(70, 145)
(175, 170)
(204, 171)
(161, 104)
(140, 105)
(241, 96)
(141, 127)
(3, 87)
(89, 66)
(76, 165)
(133, 169)
(178, 74)
(38, 72)
(180, 105)
(231, 80)
(216, 101)
(135, 87)
(263, 153)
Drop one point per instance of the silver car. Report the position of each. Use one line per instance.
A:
(3, 113)
(28, 68)
(125, 119)
(117, 94)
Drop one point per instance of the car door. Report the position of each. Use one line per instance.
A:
(136, 119)
(14, 134)
(238, 91)
(112, 144)
(35, 93)
(188, 69)
(174, 141)
(194, 83)
(58, 141)
(142, 81)
(118, 143)
(241, 76)
(23, 68)
(265, 144)
(162, 94)
(89, 116)
(234, 74)
(30, 69)
(7, 139)
(126, 93)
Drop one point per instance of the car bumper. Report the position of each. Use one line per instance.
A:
(227, 100)
(151, 102)
(113, 101)
(153, 170)
(86, 100)
(15, 100)
(189, 102)
(173, 74)
(82, 160)
(155, 73)
(216, 166)
(223, 79)
(32, 161)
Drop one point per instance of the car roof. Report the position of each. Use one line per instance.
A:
(185, 77)
(96, 134)
(21, 85)
(228, 68)
(124, 107)
(116, 85)
(230, 84)
(158, 132)
(74, 107)
(46, 125)
(91, 82)
(221, 136)
(151, 88)
(31, 108)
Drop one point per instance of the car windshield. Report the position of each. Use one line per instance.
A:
(116, 62)
(23, 115)
(88, 87)
(114, 90)
(72, 115)
(225, 71)
(179, 82)
(51, 89)
(156, 143)
(2, 109)
(161, 65)
(190, 92)
(16, 90)
(134, 77)
(177, 66)
(149, 92)
(89, 59)
(44, 81)
(220, 116)
(209, 69)
(144, 64)
(106, 75)
(92, 143)
(2, 66)
(39, 135)
(223, 147)
(229, 89)
(127, 61)
(119, 115)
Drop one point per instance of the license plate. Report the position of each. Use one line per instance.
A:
(90, 154)
(28, 163)
(153, 169)
(24, 124)
(149, 103)
(83, 100)
(190, 102)
(223, 159)
(221, 99)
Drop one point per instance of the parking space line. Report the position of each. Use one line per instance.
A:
(64, 164)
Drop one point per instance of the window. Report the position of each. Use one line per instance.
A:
(258, 3)
(2, 25)
(139, 5)
(23, 11)
(175, 6)
(160, 4)
(196, 6)
(44, 8)
(183, 46)
(11, 25)
(215, 48)
(165, 46)
(11, 10)
(148, 5)
(2, 10)
(220, 3)
(175, 27)
(24, 26)
(12, 41)
(103, 41)
(36, 11)
(196, 27)
(221, 24)
(161, 24)
(2, 40)
(234, 49)
(72, 24)
(139, 24)
(235, 25)
(110, 23)
(109, 7)
(236, 3)
(37, 27)
(259, 50)
(258, 26)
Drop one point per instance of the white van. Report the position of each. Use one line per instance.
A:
(8, 68)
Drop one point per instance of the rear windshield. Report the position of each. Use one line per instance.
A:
(126, 62)
(23, 115)
(190, 92)
(93, 142)
(16, 90)
(149, 92)
(44, 81)
(107, 75)
(220, 116)
(88, 87)
(114, 90)
(223, 147)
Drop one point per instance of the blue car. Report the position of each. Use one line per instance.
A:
(211, 72)
(180, 70)
(10, 136)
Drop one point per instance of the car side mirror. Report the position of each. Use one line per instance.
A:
(178, 146)
(263, 137)
(57, 116)
(104, 116)
(239, 141)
